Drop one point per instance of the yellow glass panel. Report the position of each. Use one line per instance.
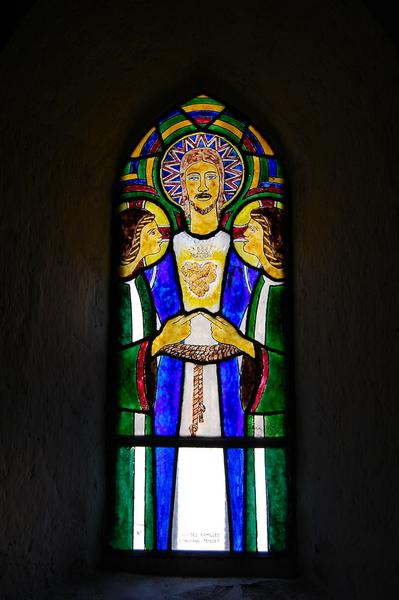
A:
(148, 172)
(137, 151)
(255, 179)
(212, 107)
(175, 127)
(129, 177)
(262, 141)
(229, 126)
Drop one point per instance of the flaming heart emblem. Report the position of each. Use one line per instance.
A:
(198, 276)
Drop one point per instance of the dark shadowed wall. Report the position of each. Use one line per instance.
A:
(80, 82)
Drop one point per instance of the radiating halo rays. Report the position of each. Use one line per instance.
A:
(232, 162)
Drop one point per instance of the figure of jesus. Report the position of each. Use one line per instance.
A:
(203, 338)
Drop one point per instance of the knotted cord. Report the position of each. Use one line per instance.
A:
(200, 355)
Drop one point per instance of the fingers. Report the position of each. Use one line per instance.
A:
(218, 321)
(184, 318)
(211, 319)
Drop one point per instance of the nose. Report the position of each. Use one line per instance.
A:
(203, 184)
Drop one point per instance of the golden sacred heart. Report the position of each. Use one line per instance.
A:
(198, 276)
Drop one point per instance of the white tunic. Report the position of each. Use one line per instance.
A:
(200, 507)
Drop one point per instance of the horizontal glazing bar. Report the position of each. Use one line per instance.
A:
(201, 442)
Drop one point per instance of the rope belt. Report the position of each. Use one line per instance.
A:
(200, 354)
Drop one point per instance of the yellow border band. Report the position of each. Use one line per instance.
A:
(174, 128)
(137, 151)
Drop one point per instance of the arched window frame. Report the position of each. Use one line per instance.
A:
(264, 184)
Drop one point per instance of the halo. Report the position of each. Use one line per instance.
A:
(231, 158)
(240, 223)
(161, 220)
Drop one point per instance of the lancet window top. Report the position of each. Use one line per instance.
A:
(201, 402)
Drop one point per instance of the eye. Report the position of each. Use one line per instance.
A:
(193, 177)
(211, 176)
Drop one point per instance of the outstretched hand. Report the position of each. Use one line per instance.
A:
(178, 329)
(174, 331)
(225, 333)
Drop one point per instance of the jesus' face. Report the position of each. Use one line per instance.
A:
(203, 185)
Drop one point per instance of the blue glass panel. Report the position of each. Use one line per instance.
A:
(236, 294)
(150, 143)
(233, 416)
(204, 114)
(272, 167)
(235, 468)
(172, 113)
(167, 401)
(165, 291)
(253, 276)
(164, 468)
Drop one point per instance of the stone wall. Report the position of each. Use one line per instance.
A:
(80, 82)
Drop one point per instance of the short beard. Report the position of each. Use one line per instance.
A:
(203, 211)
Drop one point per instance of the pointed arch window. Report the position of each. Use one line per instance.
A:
(202, 443)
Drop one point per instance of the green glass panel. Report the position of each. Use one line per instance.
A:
(265, 194)
(264, 169)
(126, 169)
(122, 537)
(142, 173)
(275, 338)
(148, 311)
(149, 501)
(280, 171)
(148, 425)
(225, 133)
(251, 503)
(203, 101)
(276, 477)
(172, 121)
(180, 133)
(249, 173)
(250, 426)
(274, 397)
(276, 425)
(254, 307)
(125, 423)
(239, 124)
(124, 333)
(128, 396)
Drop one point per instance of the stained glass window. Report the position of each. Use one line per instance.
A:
(202, 443)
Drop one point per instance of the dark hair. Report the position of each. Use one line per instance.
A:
(272, 221)
(132, 221)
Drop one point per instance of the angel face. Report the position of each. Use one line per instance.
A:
(150, 240)
(253, 239)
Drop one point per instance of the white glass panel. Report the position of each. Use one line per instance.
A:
(139, 424)
(137, 313)
(211, 423)
(259, 426)
(261, 501)
(139, 498)
(200, 508)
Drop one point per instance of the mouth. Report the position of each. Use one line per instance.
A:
(203, 196)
